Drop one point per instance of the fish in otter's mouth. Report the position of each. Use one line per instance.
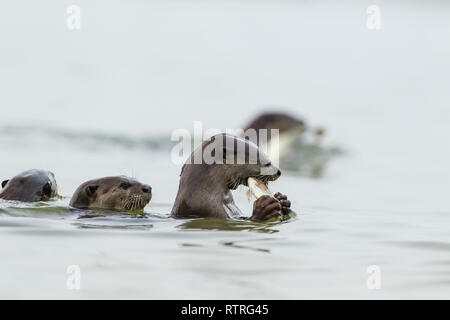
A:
(261, 179)
(136, 202)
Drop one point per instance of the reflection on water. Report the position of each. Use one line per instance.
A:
(227, 225)
(238, 244)
(308, 159)
(101, 219)
(243, 244)
(117, 227)
(43, 209)
(107, 219)
(139, 220)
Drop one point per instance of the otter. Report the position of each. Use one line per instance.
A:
(30, 186)
(205, 186)
(277, 120)
(297, 146)
(289, 128)
(112, 193)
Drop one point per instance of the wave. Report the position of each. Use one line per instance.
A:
(87, 139)
(306, 156)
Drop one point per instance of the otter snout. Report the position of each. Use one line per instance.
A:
(271, 170)
(147, 189)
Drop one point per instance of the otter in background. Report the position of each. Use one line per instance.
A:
(277, 120)
(289, 128)
(30, 186)
(299, 149)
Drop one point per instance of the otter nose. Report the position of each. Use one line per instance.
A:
(146, 188)
(278, 173)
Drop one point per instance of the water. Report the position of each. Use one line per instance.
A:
(104, 100)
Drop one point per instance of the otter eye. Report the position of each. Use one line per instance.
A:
(268, 164)
(125, 185)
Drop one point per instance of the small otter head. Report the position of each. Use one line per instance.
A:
(235, 159)
(30, 186)
(114, 193)
(277, 120)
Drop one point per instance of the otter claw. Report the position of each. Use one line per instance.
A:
(265, 208)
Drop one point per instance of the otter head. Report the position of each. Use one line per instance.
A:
(234, 159)
(273, 120)
(114, 193)
(30, 186)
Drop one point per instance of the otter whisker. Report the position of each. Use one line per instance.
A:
(127, 205)
(135, 202)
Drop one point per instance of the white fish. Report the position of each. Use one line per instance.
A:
(257, 189)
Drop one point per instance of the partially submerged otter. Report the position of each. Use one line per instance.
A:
(204, 189)
(298, 146)
(277, 120)
(288, 126)
(113, 193)
(30, 186)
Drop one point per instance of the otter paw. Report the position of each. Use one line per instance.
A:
(266, 208)
(285, 203)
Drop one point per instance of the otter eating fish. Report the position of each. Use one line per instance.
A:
(205, 186)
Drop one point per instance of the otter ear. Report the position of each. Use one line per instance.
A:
(91, 190)
(4, 183)
(47, 189)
